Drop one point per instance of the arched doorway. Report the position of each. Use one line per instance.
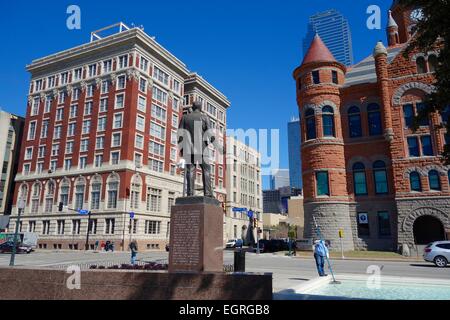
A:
(428, 229)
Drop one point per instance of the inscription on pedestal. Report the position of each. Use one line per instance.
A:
(186, 244)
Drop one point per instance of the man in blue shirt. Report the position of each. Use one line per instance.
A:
(320, 253)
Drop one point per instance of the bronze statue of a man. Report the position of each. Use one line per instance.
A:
(194, 136)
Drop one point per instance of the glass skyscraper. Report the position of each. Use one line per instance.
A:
(295, 161)
(334, 30)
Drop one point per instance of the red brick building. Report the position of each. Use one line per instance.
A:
(365, 171)
(101, 135)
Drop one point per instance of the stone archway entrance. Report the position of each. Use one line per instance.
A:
(427, 229)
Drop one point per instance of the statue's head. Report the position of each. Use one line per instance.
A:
(197, 105)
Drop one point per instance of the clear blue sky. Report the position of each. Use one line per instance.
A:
(247, 48)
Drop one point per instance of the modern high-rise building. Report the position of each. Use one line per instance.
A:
(295, 160)
(279, 179)
(101, 135)
(244, 190)
(334, 30)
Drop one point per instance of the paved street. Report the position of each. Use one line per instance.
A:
(287, 272)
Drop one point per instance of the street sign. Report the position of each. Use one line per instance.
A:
(363, 218)
(341, 233)
(131, 215)
(239, 209)
(250, 214)
(83, 212)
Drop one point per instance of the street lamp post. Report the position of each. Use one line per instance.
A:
(127, 194)
(20, 206)
(89, 227)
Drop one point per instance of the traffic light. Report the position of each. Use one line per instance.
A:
(60, 206)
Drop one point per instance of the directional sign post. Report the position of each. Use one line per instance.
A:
(131, 215)
(83, 212)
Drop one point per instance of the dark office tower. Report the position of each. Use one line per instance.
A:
(295, 161)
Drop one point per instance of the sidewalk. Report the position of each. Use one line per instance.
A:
(358, 256)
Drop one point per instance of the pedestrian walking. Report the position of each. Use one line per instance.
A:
(134, 251)
(320, 253)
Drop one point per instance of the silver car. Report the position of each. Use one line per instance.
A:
(438, 252)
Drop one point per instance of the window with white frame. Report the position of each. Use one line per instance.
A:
(116, 139)
(157, 131)
(53, 165)
(175, 104)
(99, 143)
(159, 95)
(59, 114)
(143, 85)
(90, 91)
(113, 191)
(40, 167)
(107, 66)
(92, 69)
(120, 101)
(175, 121)
(86, 127)
(154, 199)
(76, 94)
(88, 108)
(160, 75)
(61, 224)
(38, 85)
(73, 111)
(44, 128)
(211, 109)
(121, 82)
(26, 169)
(173, 154)
(140, 123)
(159, 113)
(110, 226)
(61, 97)
(143, 64)
(152, 227)
(117, 120)
(71, 129)
(135, 196)
(80, 189)
(84, 145)
(69, 147)
(55, 149)
(64, 79)
(101, 124)
(98, 160)
(123, 61)
(35, 106)
(77, 74)
(67, 164)
(142, 104)
(104, 87)
(139, 142)
(103, 105)
(115, 157)
(29, 153)
(51, 82)
(48, 104)
(95, 195)
(57, 132)
(176, 86)
(41, 151)
(82, 164)
(174, 137)
(156, 149)
(138, 160)
(156, 165)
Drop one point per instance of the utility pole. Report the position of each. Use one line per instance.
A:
(21, 207)
(88, 231)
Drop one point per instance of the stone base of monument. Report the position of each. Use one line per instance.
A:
(196, 235)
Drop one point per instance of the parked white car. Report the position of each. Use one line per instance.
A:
(235, 243)
(438, 252)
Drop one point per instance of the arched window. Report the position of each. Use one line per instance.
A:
(35, 197)
(432, 63)
(80, 187)
(113, 191)
(374, 116)
(136, 187)
(49, 196)
(64, 193)
(414, 181)
(96, 186)
(310, 119)
(354, 122)
(328, 122)
(380, 177)
(24, 192)
(359, 179)
(434, 181)
(421, 65)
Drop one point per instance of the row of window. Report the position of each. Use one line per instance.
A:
(434, 181)
(150, 227)
(315, 76)
(105, 67)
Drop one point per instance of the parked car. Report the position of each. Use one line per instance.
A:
(438, 252)
(7, 247)
(262, 246)
(234, 243)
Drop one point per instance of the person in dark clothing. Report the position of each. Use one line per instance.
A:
(134, 251)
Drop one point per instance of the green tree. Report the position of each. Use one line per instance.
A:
(433, 30)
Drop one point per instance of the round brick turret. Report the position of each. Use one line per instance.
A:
(326, 200)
